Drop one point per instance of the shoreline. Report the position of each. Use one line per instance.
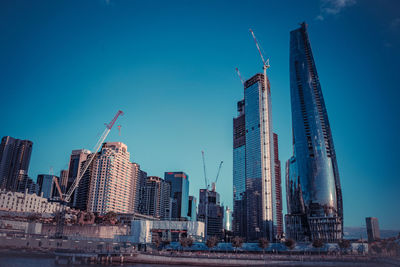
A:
(187, 259)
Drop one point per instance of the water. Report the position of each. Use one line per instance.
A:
(25, 259)
(15, 260)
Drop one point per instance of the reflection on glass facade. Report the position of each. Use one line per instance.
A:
(180, 193)
(254, 185)
(239, 175)
(313, 187)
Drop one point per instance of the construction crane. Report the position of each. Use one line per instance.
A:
(265, 103)
(240, 76)
(75, 184)
(205, 172)
(265, 62)
(219, 170)
(55, 181)
(119, 130)
(67, 197)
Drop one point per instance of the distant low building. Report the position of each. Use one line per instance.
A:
(144, 231)
(211, 212)
(372, 229)
(25, 202)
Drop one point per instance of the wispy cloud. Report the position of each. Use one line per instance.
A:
(333, 7)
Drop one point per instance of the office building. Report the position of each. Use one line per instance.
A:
(156, 198)
(192, 208)
(372, 229)
(278, 190)
(63, 180)
(15, 155)
(47, 186)
(211, 212)
(315, 209)
(74, 170)
(111, 182)
(239, 172)
(81, 194)
(254, 180)
(25, 182)
(179, 194)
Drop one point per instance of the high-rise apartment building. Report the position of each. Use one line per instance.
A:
(315, 209)
(254, 185)
(372, 229)
(211, 212)
(139, 178)
(179, 193)
(156, 198)
(15, 155)
(111, 183)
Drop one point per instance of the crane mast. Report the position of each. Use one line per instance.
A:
(219, 170)
(204, 169)
(75, 184)
(266, 151)
(240, 76)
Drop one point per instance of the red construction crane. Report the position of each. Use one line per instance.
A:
(75, 184)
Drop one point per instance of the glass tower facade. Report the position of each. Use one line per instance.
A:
(179, 193)
(313, 186)
(254, 185)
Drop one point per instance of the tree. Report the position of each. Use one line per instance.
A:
(344, 244)
(186, 242)
(165, 243)
(212, 242)
(318, 243)
(237, 242)
(263, 243)
(157, 240)
(110, 218)
(290, 243)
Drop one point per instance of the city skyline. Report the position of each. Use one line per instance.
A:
(188, 107)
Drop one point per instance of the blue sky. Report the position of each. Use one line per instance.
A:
(68, 66)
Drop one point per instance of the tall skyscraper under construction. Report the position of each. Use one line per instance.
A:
(315, 209)
(254, 180)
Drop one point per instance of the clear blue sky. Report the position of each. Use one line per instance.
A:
(68, 66)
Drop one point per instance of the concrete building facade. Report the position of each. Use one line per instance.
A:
(111, 184)
(25, 202)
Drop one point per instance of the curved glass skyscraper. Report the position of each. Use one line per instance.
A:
(315, 209)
